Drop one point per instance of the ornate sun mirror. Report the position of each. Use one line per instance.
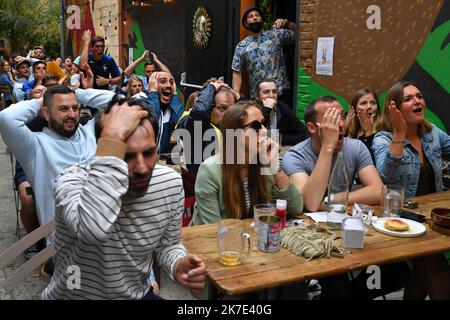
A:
(201, 28)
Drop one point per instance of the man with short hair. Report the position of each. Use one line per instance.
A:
(63, 143)
(279, 116)
(206, 115)
(22, 76)
(261, 54)
(165, 102)
(310, 162)
(39, 71)
(104, 67)
(118, 210)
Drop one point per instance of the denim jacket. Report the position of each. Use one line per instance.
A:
(405, 170)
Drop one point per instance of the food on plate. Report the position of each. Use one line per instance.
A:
(396, 225)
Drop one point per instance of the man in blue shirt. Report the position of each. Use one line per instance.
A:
(104, 67)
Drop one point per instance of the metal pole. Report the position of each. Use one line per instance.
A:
(61, 19)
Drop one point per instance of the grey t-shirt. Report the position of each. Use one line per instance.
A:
(302, 158)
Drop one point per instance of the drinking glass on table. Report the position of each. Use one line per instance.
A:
(231, 241)
(263, 209)
(392, 197)
(363, 212)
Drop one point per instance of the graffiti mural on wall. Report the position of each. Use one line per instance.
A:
(78, 19)
(375, 48)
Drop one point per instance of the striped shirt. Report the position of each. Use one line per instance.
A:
(248, 200)
(111, 237)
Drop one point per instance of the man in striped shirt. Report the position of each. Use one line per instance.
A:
(116, 213)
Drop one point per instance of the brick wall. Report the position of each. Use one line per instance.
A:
(306, 53)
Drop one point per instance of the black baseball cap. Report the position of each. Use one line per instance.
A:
(244, 17)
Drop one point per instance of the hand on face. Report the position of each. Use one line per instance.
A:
(152, 82)
(348, 119)
(366, 121)
(269, 102)
(269, 151)
(329, 128)
(121, 121)
(397, 121)
(39, 74)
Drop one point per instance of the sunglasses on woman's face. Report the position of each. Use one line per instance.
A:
(255, 125)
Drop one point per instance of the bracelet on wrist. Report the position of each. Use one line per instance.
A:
(397, 142)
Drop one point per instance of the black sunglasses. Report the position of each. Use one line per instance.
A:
(255, 125)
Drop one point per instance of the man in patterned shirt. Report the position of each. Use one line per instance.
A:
(261, 54)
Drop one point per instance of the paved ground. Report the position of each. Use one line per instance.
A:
(35, 283)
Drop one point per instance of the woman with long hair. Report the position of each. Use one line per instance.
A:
(231, 182)
(7, 80)
(408, 148)
(364, 111)
(408, 152)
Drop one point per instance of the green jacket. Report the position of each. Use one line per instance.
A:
(209, 206)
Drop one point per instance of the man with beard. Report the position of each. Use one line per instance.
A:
(309, 163)
(118, 211)
(165, 102)
(22, 76)
(261, 54)
(63, 143)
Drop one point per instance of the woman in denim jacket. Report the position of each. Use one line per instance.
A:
(408, 148)
(408, 152)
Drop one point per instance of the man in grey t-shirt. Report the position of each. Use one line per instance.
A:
(309, 163)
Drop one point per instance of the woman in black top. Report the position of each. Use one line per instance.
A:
(364, 110)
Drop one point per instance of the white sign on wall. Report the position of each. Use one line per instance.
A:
(324, 56)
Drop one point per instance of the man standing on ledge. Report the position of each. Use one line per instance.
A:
(261, 54)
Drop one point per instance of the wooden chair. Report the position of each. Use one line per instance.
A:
(10, 254)
(5, 89)
(17, 202)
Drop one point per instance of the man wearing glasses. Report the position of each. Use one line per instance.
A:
(104, 67)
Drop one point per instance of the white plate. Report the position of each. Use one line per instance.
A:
(415, 228)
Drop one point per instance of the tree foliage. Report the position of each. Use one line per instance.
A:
(26, 23)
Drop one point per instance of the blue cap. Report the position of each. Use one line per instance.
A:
(244, 17)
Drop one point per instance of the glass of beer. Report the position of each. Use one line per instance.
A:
(232, 241)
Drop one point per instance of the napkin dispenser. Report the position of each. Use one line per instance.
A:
(353, 233)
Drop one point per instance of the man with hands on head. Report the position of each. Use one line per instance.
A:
(310, 162)
(119, 211)
(150, 66)
(165, 102)
(206, 114)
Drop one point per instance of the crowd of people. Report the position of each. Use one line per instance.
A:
(91, 135)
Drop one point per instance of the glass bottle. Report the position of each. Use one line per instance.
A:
(338, 188)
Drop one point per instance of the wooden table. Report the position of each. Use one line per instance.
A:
(267, 270)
